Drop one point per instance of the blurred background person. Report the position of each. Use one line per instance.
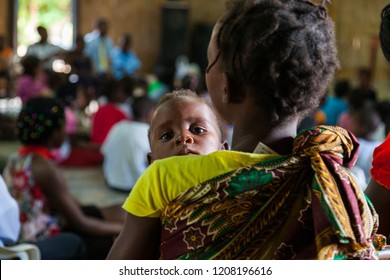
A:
(124, 60)
(44, 50)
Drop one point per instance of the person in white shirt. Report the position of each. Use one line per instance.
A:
(64, 246)
(44, 50)
(9, 216)
(126, 147)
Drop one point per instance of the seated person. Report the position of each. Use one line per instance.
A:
(81, 65)
(364, 124)
(63, 246)
(77, 150)
(108, 114)
(9, 217)
(126, 147)
(47, 207)
(33, 81)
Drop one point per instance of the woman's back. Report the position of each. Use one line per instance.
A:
(37, 219)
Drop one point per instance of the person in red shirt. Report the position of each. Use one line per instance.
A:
(117, 92)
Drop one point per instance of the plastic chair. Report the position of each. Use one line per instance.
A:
(22, 251)
(385, 253)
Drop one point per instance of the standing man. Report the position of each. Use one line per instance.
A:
(44, 50)
(98, 48)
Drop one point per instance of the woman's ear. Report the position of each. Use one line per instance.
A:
(225, 145)
(149, 157)
(233, 93)
(58, 137)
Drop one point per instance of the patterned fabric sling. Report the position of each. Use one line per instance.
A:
(306, 205)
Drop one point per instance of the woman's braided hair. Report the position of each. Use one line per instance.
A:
(384, 32)
(38, 119)
(282, 50)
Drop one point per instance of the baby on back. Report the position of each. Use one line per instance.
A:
(184, 124)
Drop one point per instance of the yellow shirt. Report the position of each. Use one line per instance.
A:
(166, 179)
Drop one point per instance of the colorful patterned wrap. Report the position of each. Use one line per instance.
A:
(306, 205)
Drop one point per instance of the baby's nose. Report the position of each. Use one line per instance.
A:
(184, 139)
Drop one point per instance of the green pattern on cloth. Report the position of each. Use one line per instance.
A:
(306, 205)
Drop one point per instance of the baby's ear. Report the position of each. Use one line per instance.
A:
(149, 158)
(225, 145)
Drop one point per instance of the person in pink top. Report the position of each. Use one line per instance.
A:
(33, 81)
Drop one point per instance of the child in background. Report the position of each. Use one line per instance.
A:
(47, 207)
(126, 147)
(108, 114)
(77, 150)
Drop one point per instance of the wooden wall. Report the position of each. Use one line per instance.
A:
(356, 21)
(142, 19)
(357, 24)
(4, 16)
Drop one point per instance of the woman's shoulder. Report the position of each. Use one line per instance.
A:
(154, 188)
(213, 163)
(41, 166)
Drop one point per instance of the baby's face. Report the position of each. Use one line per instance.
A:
(184, 127)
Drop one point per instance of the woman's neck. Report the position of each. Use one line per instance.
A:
(246, 136)
(42, 150)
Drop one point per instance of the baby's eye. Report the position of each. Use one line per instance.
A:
(166, 136)
(198, 130)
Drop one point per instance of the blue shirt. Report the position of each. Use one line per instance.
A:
(332, 108)
(124, 63)
(93, 50)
